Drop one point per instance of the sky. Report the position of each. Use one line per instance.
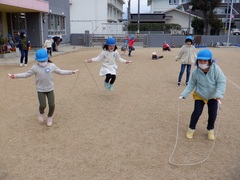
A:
(134, 7)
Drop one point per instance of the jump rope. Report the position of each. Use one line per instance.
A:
(95, 82)
(177, 133)
(13, 108)
(178, 119)
(177, 137)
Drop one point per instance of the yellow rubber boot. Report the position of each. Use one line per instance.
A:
(211, 135)
(190, 133)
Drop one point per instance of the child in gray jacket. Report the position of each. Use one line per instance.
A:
(44, 82)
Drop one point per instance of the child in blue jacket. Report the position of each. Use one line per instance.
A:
(209, 85)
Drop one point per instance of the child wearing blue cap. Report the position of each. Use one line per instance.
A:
(209, 85)
(44, 82)
(124, 47)
(187, 56)
(48, 45)
(131, 41)
(108, 56)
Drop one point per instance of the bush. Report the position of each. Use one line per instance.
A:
(153, 27)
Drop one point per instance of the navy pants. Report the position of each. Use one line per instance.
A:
(130, 49)
(24, 54)
(183, 66)
(198, 108)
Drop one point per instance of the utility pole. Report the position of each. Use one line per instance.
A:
(226, 21)
(129, 12)
(189, 18)
(230, 21)
(138, 16)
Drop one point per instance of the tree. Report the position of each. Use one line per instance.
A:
(206, 7)
(198, 25)
(153, 27)
(216, 25)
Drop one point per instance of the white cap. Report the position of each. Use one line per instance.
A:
(154, 53)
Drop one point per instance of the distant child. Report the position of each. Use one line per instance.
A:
(187, 56)
(108, 56)
(166, 46)
(155, 56)
(48, 45)
(43, 72)
(209, 84)
(124, 47)
(131, 41)
(24, 45)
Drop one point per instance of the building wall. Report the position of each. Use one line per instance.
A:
(33, 29)
(88, 15)
(164, 5)
(179, 18)
(95, 16)
(59, 7)
(37, 26)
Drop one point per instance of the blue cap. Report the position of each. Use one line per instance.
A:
(41, 55)
(110, 41)
(204, 54)
(189, 38)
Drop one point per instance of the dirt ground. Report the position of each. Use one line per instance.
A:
(129, 133)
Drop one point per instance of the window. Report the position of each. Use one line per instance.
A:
(226, 1)
(173, 2)
(18, 23)
(56, 25)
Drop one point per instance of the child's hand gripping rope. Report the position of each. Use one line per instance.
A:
(88, 61)
(11, 76)
(75, 71)
(127, 62)
(181, 97)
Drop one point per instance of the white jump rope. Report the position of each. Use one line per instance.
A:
(177, 135)
(85, 62)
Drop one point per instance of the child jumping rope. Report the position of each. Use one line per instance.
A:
(108, 56)
(44, 82)
(209, 85)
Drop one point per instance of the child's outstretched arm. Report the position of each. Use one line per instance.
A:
(27, 74)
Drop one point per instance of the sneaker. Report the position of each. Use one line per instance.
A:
(41, 118)
(190, 133)
(211, 135)
(106, 85)
(111, 87)
(186, 83)
(25, 65)
(21, 64)
(49, 121)
(179, 83)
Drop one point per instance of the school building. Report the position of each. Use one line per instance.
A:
(38, 18)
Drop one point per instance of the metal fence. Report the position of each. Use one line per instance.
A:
(153, 40)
